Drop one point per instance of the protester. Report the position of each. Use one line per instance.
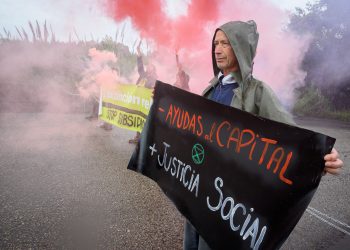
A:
(94, 112)
(233, 50)
(182, 78)
(146, 79)
(94, 116)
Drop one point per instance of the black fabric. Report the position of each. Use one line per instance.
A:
(241, 180)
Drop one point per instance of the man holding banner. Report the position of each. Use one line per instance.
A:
(233, 50)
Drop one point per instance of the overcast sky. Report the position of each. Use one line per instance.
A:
(85, 16)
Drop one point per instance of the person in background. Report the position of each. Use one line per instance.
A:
(147, 78)
(182, 78)
(94, 112)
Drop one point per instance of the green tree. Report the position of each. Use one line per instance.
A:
(327, 60)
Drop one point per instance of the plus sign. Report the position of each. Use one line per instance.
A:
(153, 149)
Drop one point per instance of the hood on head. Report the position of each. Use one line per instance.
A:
(243, 37)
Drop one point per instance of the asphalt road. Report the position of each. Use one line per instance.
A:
(64, 184)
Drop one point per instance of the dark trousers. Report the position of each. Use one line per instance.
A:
(192, 240)
(95, 106)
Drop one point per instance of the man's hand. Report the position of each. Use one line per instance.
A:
(178, 64)
(333, 164)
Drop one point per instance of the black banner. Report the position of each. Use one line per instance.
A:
(242, 181)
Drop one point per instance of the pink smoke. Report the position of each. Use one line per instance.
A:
(279, 54)
(100, 58)
(98, 73)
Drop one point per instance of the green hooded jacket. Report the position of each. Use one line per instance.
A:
(252, 95)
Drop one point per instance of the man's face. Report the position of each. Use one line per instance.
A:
(225, 57)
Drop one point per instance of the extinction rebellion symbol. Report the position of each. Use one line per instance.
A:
(197, 153)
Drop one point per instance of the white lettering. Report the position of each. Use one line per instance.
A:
(228, 210)
(217, 187)
(178, 169)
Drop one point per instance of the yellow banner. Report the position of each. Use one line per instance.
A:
(126, 106)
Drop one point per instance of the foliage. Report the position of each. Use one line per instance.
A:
(311, 102)
(328, 58)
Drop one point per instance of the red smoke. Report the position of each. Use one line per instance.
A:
(279, 54)
(189, 32)
(152, 22)
(148, 17)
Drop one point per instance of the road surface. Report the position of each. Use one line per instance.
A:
(64, 184)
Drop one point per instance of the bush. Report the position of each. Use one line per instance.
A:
(311, 102)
